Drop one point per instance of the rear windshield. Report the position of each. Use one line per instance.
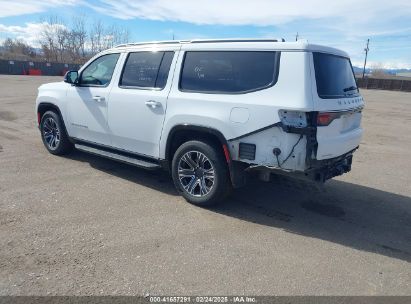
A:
(334, 76)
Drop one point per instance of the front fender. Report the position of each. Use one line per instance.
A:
(54, 95)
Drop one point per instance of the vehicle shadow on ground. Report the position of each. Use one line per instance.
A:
(351, 215)
(158, 179)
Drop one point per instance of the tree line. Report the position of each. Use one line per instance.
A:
(74, 43)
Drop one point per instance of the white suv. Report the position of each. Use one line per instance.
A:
(210, 111)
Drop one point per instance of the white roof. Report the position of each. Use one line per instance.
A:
(231, 44)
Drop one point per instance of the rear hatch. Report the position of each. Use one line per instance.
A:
(339, 105)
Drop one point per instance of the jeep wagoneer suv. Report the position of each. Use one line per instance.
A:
(210, 111)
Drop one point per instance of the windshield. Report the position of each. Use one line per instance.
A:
(334, 76)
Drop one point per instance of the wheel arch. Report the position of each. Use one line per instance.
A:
(182, 133)
(65, 142)
(43, 107)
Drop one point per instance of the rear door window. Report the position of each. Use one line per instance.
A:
(334, 76)
(229, 71)
(146, 70)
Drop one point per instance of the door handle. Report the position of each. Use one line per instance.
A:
(153, 104)
(98, 98)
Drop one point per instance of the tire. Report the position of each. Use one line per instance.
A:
(200, 173)
(54, 134)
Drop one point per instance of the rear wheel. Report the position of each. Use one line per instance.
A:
(200, 173)
(54, 135)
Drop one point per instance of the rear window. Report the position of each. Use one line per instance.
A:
(229, 71)
(334, 76)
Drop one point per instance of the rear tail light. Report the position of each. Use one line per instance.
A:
(325, 118)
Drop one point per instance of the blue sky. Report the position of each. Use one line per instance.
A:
(343, 24)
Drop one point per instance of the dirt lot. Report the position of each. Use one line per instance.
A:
(85, 225)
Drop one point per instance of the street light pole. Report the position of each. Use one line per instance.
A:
(365, 61)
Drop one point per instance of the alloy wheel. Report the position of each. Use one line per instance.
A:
(196, 173)
(51, 133)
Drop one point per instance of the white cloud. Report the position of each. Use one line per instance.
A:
(30, 33)
(342, 24)
(256, 12)
(24, 7)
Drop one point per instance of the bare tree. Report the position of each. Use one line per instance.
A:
(116, 35)
(14, 49)
(62, 34)
(50, 37)
(75, 43)
(80, 33)
(71, 47)
(96, 37)
(121, 35)
(377, 70)
(102, 37)
(17, 46)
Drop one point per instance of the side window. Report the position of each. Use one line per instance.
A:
(100, 71)
(146, 70)
(164, 69)
(229, 71)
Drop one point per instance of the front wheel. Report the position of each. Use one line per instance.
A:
(200, 173)
(54, 135)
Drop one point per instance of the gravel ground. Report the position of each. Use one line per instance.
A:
(82, 225)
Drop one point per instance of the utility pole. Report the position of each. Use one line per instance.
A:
(173, 35)
(296, 37)
(365, 60)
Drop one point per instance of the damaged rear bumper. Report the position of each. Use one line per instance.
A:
(320, 170)
(323, 170)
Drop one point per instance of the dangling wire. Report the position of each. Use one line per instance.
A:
(291, 152)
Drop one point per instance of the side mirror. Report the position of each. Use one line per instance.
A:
(71, 77)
